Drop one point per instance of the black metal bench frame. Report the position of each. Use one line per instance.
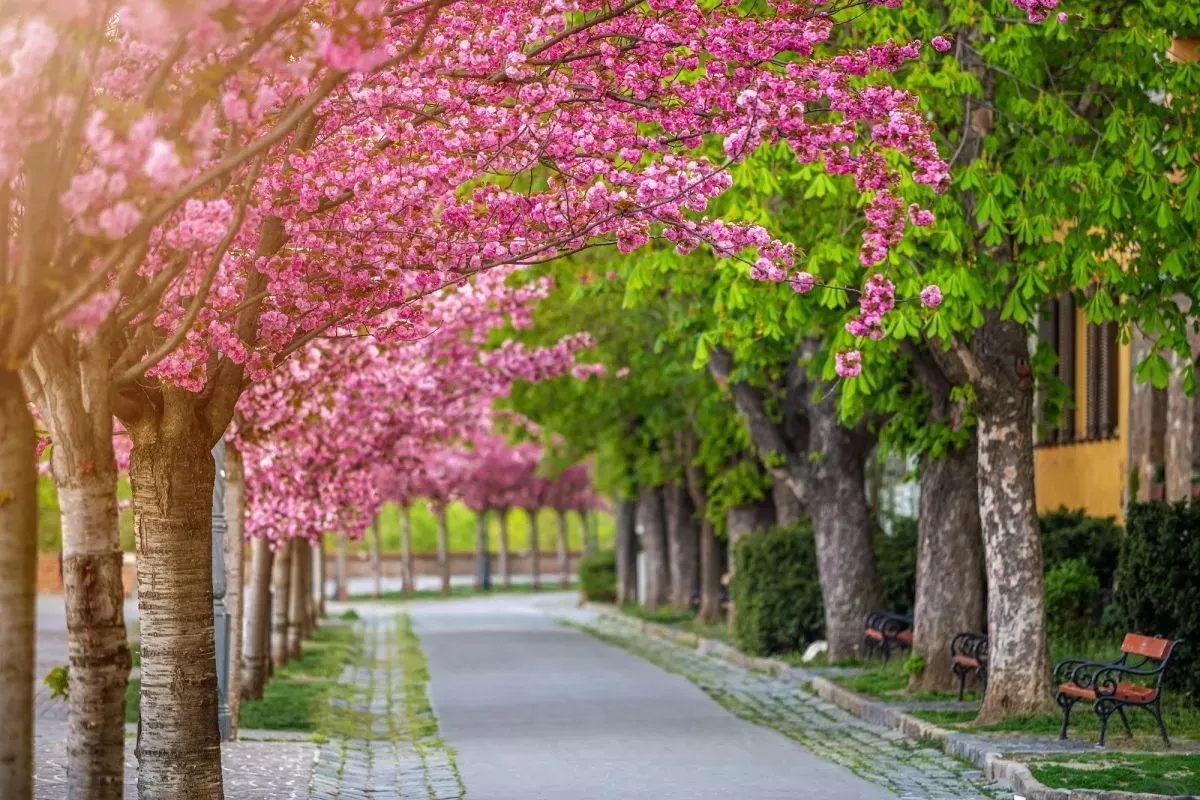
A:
(973, 646)
(889, 626)
(1102, 679)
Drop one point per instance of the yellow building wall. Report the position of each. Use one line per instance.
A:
(1088, 475)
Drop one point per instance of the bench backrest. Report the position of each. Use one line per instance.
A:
(1136, 644)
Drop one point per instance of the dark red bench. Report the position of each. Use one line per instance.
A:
(969, 656)
(884, 632)
(1133, 679)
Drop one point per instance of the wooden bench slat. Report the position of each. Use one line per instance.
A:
(1138, 645)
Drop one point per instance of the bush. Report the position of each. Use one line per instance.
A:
(1156, 583)
(1072, 592)
(1070, 535)
(776, 591)
(598, 576)
(896, 556)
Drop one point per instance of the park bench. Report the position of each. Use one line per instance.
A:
(884, 632)
(724, 598)
(1143, 659)
(969, 656)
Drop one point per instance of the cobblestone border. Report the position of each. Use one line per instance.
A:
(992, 763)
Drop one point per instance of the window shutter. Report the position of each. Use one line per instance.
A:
(1066, 365)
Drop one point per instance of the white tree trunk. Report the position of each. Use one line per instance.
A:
(535, 555)
(406, 556)
(564, 551)
(376, 559)
(235, 553)
(319, 579)
(281, 579)
(297, 601)
(652, 528)
(18, 566)
(339, 568)
(258, 611)
(505, 566)
(179, 748)
(443, 545)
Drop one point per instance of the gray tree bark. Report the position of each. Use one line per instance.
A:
(740, 522)
(850, 583)
(683, 546)
(788, 508)
(481, 545)
(406, 559)
(626, 552)
(235, 551)
(76, 407)
(1018, 657)
(651, 527)
(822, 462)
(564, 551)
(505, 565)
(297, 601)
(339, 568)
(949, 597)
(443, 544)
(258, 611)
(376, 559)
(319, 579)
(18, 565)
(535, 555)
(709, 555)
(282, 580)
(171, 470)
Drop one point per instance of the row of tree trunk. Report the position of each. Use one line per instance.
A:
(482, 552)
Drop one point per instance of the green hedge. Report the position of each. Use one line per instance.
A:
(896, 558)
(1068, 535)
(776, 592)
(1158, 583)
(598, 576)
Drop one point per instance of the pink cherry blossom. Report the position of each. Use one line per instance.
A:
(931, 296)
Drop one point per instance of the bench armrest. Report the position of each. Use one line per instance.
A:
(1078, 671)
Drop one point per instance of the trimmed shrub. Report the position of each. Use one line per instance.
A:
(1068, 535)
(776, 591)
(1157, 587)
(598, 576)
(1072, 592)
(896, 556)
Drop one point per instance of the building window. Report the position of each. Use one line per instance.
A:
(1090, 408)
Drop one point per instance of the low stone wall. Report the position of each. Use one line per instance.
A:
(358, 565)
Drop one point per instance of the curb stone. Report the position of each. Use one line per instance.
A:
(991, 763)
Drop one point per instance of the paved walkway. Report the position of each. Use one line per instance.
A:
(537, 711)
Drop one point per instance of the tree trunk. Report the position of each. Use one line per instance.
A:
(788, 507)
(297, 603)
(949, 564)
(850, 584)
(179, 747)
(505, 566)
(339, 568)
(535, 554)
(258, 610)
(281, 609)
(585, 523)
(683, 545)
(443, 545)
(740, 522)
(18, 566)
(1018, 658)
(564, 552)
(235, 553)
(319, 578)
(626, 547)
(710, 573)
(651, 528)
(376, 558)
(406, 559)
(481, 551)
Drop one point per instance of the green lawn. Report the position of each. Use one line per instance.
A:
(1126, 772)
(682, 620)
(298, 693)
(460, 519)
(457, 592)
